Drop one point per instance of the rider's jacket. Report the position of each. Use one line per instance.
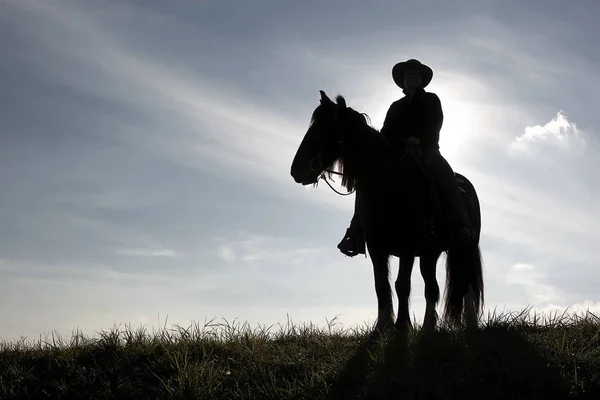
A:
(420, 117)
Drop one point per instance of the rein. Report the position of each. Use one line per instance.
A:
(319, 166)
(322, 176)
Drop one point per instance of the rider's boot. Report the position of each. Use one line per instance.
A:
(353, 242)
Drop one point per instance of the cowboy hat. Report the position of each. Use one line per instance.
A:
(398, 72)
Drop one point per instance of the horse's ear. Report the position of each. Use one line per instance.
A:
(341, 101)
(324, 98)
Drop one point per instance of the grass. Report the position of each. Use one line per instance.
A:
(512, 356)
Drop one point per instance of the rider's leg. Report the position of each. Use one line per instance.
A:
(444, 179)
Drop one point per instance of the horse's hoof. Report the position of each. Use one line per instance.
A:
(471, 327)
(403, 327)
(381, 329)
(429, 325)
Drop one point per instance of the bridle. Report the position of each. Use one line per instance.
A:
(316, 164)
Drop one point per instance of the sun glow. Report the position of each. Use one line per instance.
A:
(462, 114)
(461, 120)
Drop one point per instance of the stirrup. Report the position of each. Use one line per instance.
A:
(347, 248)
(351, 245)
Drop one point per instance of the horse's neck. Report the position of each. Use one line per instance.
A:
(373, 154)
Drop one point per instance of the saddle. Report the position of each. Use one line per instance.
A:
(413, 149)
(437, 213)
(353, 242)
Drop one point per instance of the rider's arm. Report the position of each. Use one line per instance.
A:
(388, 124)
(433, 121)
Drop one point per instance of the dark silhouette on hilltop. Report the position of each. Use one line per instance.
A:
(418, 117)
(396, 212)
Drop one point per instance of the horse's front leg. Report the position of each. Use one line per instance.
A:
(432, 290)
(385, 312)
(403, 292)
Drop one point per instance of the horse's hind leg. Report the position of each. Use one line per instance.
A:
(385, 313)
(470, 314)
(403, 292)
(428, 264)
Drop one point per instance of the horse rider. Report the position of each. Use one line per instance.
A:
(419, 115)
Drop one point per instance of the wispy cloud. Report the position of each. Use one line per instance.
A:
(74, 274)
(258, 249)
(149, 252)
(197, 121)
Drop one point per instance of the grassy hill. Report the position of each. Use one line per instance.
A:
(511, 357)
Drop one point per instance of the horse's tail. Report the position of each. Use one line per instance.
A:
(464, 273)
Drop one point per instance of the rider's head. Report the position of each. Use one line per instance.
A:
(412, 78)
(412, 74)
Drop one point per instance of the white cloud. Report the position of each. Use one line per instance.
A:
(559, 132)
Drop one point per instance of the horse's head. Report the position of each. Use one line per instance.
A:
(323, 143)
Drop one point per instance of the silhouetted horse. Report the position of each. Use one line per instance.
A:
(397, 213)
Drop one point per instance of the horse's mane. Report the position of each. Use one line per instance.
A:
(341, 101)
(359, 123)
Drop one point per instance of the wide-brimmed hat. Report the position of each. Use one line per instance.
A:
(398, 72)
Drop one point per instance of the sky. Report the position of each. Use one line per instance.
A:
(145, 152)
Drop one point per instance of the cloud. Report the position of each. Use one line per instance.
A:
(226, 253)
(559, 133)
(537, 190)
(149, 252)
(74, 274)
(259, 249)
